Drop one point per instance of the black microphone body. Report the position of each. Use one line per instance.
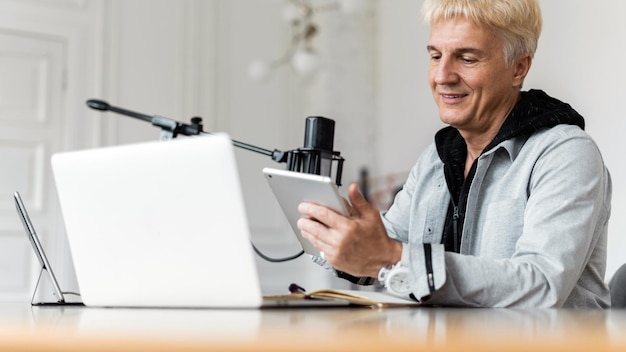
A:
(319, 134)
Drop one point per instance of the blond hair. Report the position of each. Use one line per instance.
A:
(516, 22)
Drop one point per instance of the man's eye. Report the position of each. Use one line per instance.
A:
(468, 60)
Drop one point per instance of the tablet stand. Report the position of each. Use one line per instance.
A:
(46, 293)
(53, 289)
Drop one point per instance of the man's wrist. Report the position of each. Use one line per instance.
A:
(397, 256)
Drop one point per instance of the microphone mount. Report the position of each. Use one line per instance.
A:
(305, 159)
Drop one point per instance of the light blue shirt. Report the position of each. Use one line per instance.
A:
(535, 231)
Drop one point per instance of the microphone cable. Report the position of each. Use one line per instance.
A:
(275, 260)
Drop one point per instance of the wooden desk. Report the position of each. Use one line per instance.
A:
(26, 328)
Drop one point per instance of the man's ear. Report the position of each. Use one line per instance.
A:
(522, 66)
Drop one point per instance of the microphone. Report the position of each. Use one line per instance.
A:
(317, 152)
(317, 155)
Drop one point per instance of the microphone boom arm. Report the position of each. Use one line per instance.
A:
(171, 129)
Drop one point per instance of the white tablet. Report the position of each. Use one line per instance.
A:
(291, 188)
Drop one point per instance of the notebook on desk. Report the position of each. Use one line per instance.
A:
(159, 224)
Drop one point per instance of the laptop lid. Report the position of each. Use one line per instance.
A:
(158, 224)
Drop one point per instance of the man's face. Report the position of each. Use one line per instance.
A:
(471, 83)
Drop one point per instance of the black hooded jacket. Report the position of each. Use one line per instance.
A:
(534, 111)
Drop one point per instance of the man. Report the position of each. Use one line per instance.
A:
(509, 206)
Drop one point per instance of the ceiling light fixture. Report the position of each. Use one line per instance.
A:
(300, 54)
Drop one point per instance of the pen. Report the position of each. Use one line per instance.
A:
(295, 288)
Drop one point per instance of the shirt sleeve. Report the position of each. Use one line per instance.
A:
(428, 267)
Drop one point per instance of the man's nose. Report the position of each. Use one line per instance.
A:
(444, 72)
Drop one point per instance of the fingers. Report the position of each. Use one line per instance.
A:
(319, 235)
(316, 225)
(320, 213)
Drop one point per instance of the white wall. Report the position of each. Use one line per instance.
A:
(578, 60)
(407, 115)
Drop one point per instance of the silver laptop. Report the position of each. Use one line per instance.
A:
(159, 224)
